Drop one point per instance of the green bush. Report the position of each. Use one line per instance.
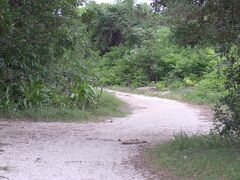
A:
(174, 84)
(157, 59)
(35, 94)
(227, 112)
(207, 91)
(188, 81)
(31, 49)
(161, 86)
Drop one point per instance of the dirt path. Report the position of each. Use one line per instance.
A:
(93, 151)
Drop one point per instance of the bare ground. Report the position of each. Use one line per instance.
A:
(95, 151)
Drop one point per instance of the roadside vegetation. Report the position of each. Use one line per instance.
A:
(145, 53)
(43, 70)
(213, 156)
(184, 52)
(56, 56)
(183, 93)
(109, 106)
(197, 157)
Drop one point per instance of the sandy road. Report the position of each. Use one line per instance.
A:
(93, 151)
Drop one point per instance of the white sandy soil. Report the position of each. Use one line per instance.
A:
(94, 151)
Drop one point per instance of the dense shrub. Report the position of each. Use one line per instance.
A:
(216, 22)
(35, 38)
(112, 25)
(158, 59)
(227, 112)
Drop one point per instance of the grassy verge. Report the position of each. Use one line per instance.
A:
(187, 94)
(110, 106)
(194, 96)
(198, 157)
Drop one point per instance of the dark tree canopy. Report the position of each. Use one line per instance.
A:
(194, 21)
(216, 22)
(112, 25)
(33, 36)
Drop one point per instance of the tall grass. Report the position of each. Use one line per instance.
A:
(109, 106)
(198, 157)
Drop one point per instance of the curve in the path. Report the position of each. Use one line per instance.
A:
(94, 151)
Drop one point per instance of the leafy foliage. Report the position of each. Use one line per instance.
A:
(56, 54)
(112, 25)
(216, 22)
(227, 116)
(36, 37)
(158, 59)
